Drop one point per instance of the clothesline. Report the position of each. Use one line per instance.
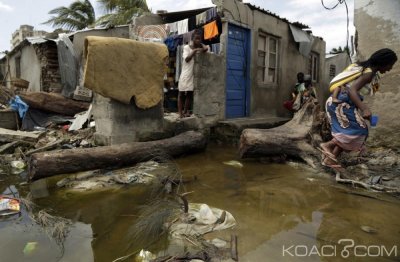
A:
(180, 32)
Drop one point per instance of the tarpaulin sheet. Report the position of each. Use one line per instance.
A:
(16, 104)
(68, 65)
(304, 39)
(122, 69)
(37, 118)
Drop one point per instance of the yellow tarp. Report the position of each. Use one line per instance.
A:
(122, 68)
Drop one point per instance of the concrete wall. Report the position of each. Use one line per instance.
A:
(30, 67)
(378, 26)
(209, 97)
(118, 123)
(2, 69)
(268, 99)
(79, 37)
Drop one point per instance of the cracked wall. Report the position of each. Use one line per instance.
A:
(378, 26)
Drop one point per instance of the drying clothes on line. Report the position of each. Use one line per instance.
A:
(178, 61)
(215, 48)
(173, 42)
(210, 30)
(183, 26)
(211, 14)
(201, 18)
(172, 28)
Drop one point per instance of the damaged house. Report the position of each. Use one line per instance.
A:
(35, 60)
(253, 60)
(52, 65)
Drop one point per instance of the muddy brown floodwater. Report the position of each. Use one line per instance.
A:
(284, 212)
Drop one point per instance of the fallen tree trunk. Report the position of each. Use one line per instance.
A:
(295, 138)
(56, 103)
(48, 164)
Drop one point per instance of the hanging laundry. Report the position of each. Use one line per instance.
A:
(178, 61)
(173, 42)
(211, 14)
(183, 26)
(216, 48)
(172, 28)
(201, 18)
(210, 30)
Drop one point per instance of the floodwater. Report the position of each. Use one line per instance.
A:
(284, 212)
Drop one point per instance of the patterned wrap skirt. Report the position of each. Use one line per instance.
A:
(349, 128)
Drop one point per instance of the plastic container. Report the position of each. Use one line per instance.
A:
(374, 120)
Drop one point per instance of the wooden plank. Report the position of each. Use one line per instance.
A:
(7, 135)
(47, 147)
(8, 119)
(55, 103)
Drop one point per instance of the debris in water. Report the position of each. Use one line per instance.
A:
(18, 164)
(375, 180)
(220, 243)
(9, 206)
(29, 248)
(206, 221)
(145, 256)
(55, 227)
(369, 229)
(234, 163)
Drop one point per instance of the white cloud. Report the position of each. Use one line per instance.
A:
(177, 5)
(4, 7)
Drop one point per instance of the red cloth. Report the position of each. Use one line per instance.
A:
(288, 105)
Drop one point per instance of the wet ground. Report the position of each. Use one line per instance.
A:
(276, 206)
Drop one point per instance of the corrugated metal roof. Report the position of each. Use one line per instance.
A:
(171, 17)
(29, 41)
(262, 10)
(96, 29)
(330, 55)
(37, 40)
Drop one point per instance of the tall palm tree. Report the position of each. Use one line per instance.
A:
(78, 15)
(121, 11)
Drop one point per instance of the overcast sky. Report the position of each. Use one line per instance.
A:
(330, 25)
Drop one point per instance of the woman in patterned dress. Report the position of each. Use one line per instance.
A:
(346, 110)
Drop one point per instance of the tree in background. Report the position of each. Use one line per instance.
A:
(78, 15)
(339, 50)
(120, 12)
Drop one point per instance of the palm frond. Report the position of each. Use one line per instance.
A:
(78, 15)
(120, 12)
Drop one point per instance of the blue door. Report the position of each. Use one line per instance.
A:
(237, 77)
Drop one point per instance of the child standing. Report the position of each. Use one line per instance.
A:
(185, 86)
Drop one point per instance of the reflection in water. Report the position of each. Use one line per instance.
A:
(274, 205)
